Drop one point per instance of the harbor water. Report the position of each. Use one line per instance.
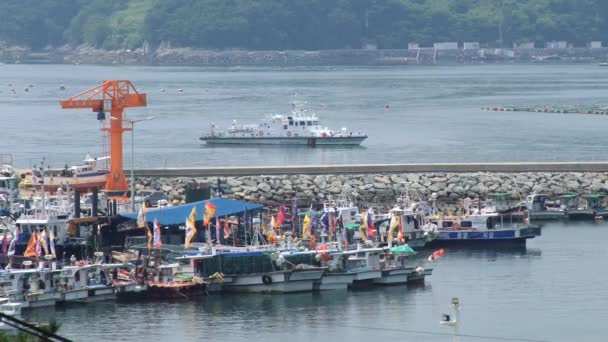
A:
(552, 290)
(411, 113)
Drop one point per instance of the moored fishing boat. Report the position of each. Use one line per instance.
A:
(482, 229)
(364, 263)
(264, 271)
(395, 271)
(298, 128)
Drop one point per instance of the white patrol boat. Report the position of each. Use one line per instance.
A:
(298, 128)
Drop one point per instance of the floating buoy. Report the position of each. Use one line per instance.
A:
(162, 90)
(180, 90)
(386, 106)
(61, 87)
(26, 89)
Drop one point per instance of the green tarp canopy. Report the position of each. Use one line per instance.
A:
(352, 225)
(402, 249)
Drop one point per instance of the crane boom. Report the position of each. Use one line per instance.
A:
(113, 96)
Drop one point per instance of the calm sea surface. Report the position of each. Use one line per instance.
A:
(434, 113)
(553, 290)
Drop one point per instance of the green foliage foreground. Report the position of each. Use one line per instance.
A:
(297, 24)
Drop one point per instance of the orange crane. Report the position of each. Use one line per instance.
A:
(113, 96)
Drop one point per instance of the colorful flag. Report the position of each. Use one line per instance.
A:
(324, 220)
(312, 215)
(150, 237)
(190, 227)
(11, 247)
(393, 224)
(217, 229)
(280, 215)
(42, 239)
(294, 216)
(332, 222)
(226, 228)
(436, 255)
(52, 243)
(30, 250)
(5, 242)
(157, 240)
(363, 226)
(141, 216)
(370, 224)
(37, 244)
(273, 223)
(306, 227)
(209, 211)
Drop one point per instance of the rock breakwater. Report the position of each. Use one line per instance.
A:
(383, 189)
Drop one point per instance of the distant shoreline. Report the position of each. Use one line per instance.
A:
(372, 57)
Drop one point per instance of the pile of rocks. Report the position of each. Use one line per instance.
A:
(385, 188)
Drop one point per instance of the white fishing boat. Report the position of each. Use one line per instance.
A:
(365, 264)
(482, 227)
(395, 268)
(259, 271)
(298, 128)
(540, 208)
(337, 277)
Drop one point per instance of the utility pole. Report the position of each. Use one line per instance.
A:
(455, 321)
(500, 23)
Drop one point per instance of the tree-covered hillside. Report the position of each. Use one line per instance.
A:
(298, 24)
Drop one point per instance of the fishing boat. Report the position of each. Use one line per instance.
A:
(84, 177)
(396, 271)
(171, 283)
(539, 207)
(411, 215)
(264, 271)
(576, 209)
(482, 228)
(337, 276)
(365, 264)
(298, 128)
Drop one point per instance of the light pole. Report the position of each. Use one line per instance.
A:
(133, 122)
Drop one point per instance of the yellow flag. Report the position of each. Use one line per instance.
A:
(394, 223)
(190, 227)
(273, 223)
(141, 217)
(363, 226)
(306, 227)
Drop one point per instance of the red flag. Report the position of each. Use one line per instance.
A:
(30, 250)
(150, 236)
(217, 229)
(436, 254)
(5, 242)
(226, 228)
(280, 216)
(332, 223)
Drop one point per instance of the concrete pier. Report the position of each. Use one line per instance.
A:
(510, 167)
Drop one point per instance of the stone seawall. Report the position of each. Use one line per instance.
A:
(382, 189)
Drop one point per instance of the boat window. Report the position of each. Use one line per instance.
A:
(309, 123)
(296, 123)
(302, 123)
(466, 224)
(284, 126)
(446, 224)
(290, 122)
(316, 123)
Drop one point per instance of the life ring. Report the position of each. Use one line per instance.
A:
(266, 279)
(288, 134)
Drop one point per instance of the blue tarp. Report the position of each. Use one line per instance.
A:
(178, 214)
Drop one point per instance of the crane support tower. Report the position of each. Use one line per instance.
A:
(110, 96)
